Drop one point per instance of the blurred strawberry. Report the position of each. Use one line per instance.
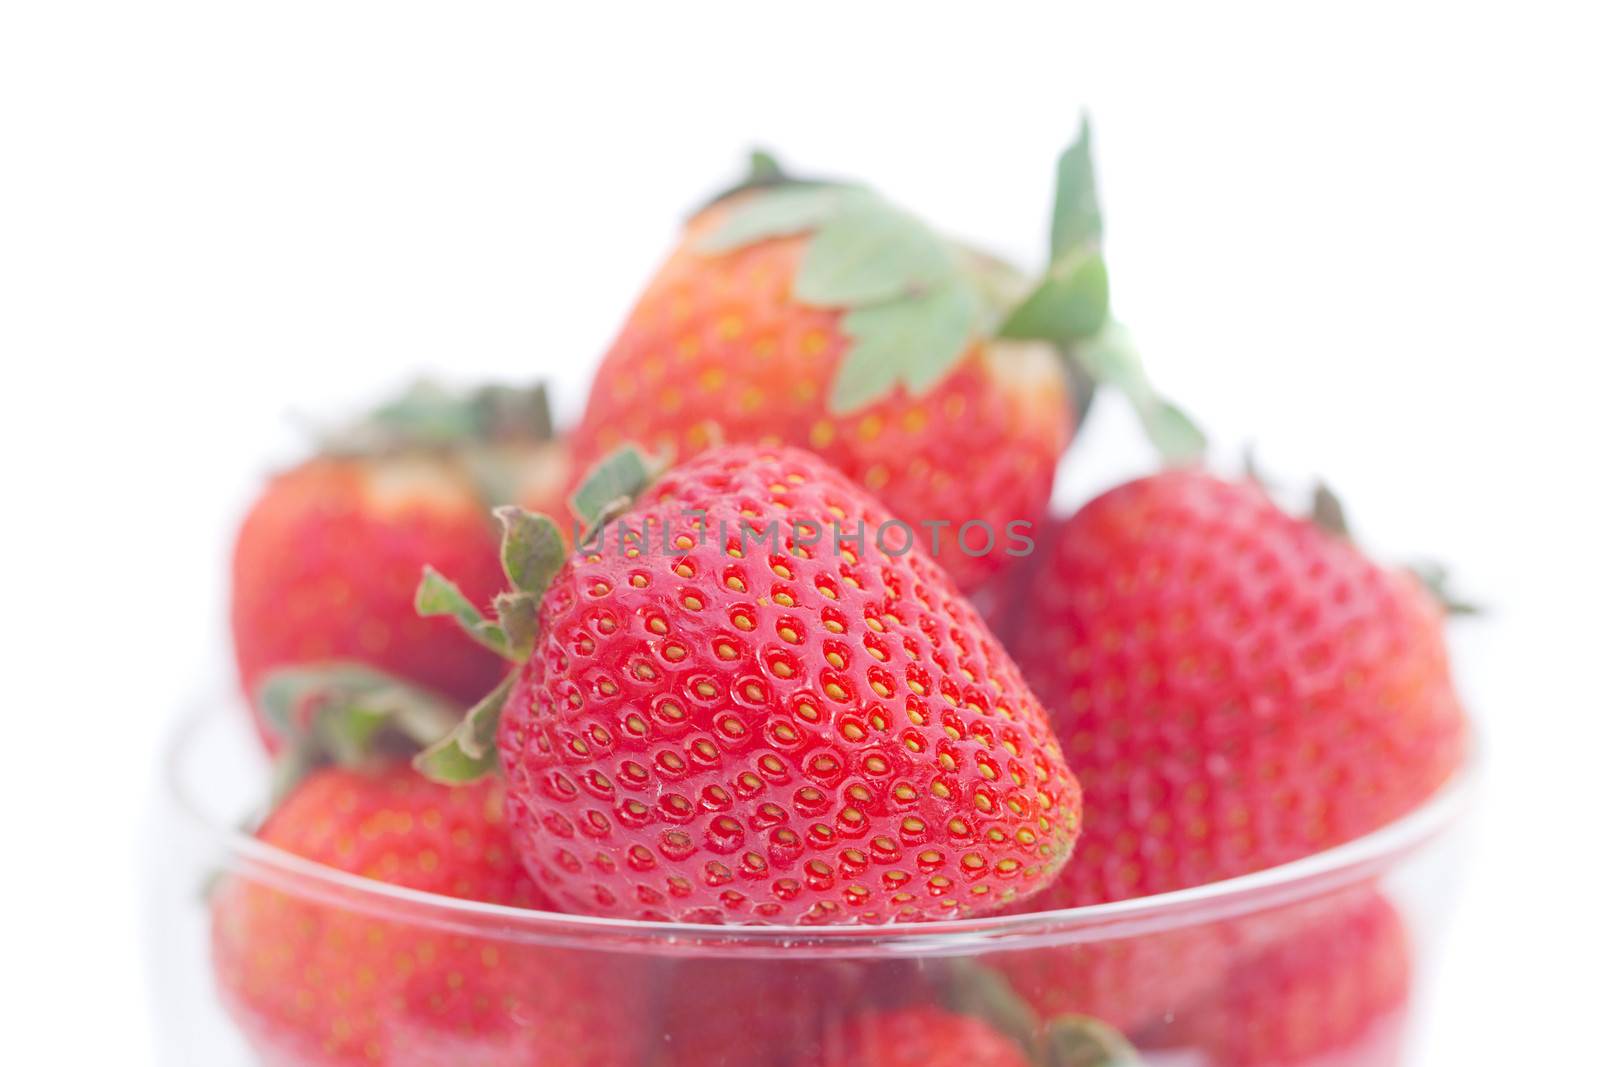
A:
(315, 975)
(764, 1011)
(1331, 993)
(1236, 687)
(1128, 982)
(928, 1036)
(328, 557)
(921, 1037)
(819, 315)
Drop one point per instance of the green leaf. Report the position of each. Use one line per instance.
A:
(500, 412)
(1076, 218)
(1111, 360)
(977, 990)
(1079, 1041)
(780, 212)
(1069, 304)
(763, 169)
(913, 341)
(347, 732)
(348, 713)
(439, 596)
(1175, 435)
(1327, 511)
(284, 694)
(519, 619)
(427, 412)
(614, 481)
(1436, 579)
(869, 252)
(430, 416)
(531, 549)
(468, 753)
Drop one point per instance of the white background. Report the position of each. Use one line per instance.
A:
(1365, 240)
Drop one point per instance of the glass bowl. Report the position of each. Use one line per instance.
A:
(1316, 962)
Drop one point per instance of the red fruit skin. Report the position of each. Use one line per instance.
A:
(327, 563)
(718, 351)
(1235, 688)
(1332, 991)
(1125, 982)
(766, 1012)
(325, 981)
(782, 736)
(922, 1037)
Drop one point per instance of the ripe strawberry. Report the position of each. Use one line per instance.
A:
(1332, 991)
(922, 1037)
(328, 557)
(1127, 982)
(771, 1013)
(820, 316)
(1236, 687)
(313, 979)
(761, 723)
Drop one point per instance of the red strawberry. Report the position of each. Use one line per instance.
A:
(329, 980)
(767, 1012)
(1127, 982)
(820, 316)
(922, 1037)
(1236, 687)
(762, 724)
(328, 558)
(1333, 991)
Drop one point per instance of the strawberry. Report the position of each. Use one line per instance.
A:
(1236, 687)
(1333, 991)
(328, 557)
(921, 1037)
(769, 1013)
(1127, 982)
(776, 708)
(319, 979)
(927, 1036)
(819, 315)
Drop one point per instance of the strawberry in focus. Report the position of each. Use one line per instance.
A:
(327, 560)
(744, 719)
(1235, 687)
(313, 979)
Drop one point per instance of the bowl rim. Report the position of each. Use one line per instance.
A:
(1362, 859)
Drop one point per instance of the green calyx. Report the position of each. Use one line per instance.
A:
(349, 714)
(914, 302)
(911, 304)
(1435, 577)
(430, 416)
(1079, 1041)
(1110, 359)
(531, 552)
(762, 171)
(1327, 512)
(611, 485)
(973, 989)
(1070, 308)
